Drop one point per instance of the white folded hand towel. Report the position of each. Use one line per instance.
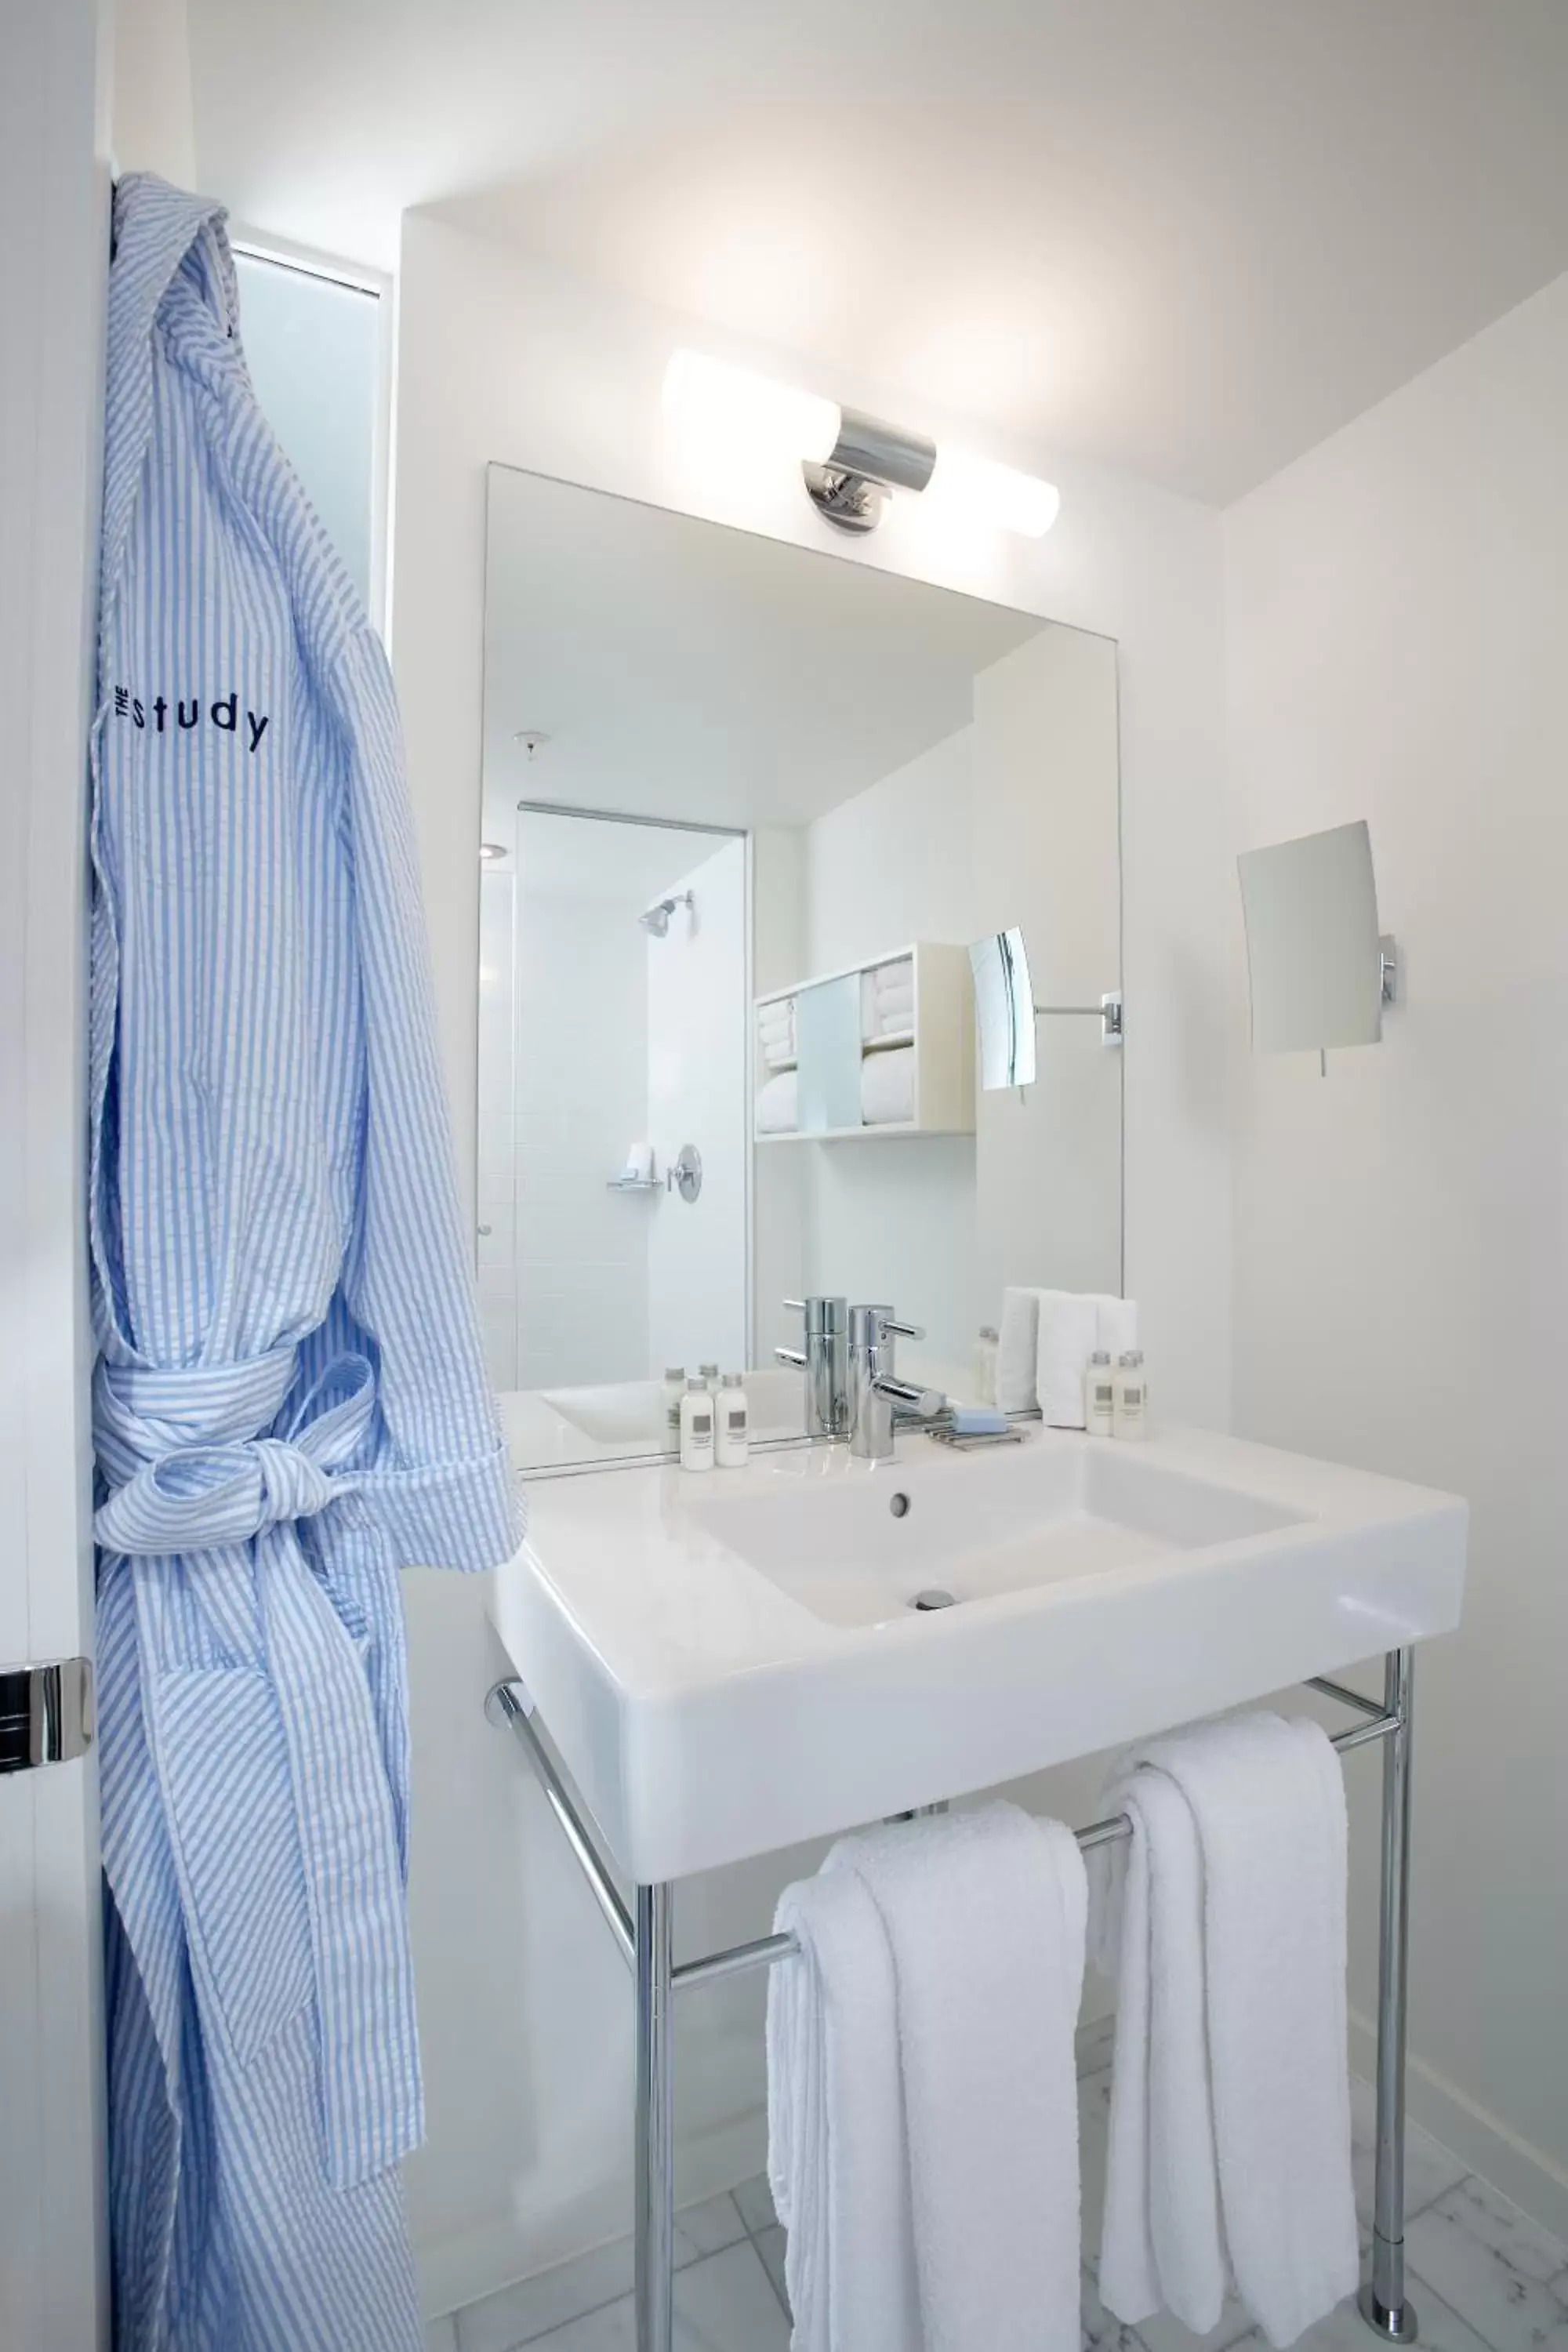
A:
(1073, 1324)
(1070, 1334)
(836, 2161)
(985, 1915)
(1230, 2116)
(1018, 1346)
(888, 1086)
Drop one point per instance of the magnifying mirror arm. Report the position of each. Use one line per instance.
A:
(1108, 1011)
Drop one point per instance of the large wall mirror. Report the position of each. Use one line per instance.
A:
(747, 807)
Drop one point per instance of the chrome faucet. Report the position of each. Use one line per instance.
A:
(874, 1389)
(824, 1362)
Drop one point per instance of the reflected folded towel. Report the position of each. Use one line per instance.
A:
(1017, 1345)
(777, 1111)
(775, 1033)
(931, 2188)
(888, 1086)
(885, 1009)
(1224, 1921)
(1039, 1338)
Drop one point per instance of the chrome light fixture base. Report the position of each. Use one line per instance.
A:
(849, 501)
(869, 457)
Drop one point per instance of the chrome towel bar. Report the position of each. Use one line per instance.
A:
(505, 1705)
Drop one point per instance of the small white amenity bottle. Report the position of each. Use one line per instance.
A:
(1130, 1416)
(733, 1439)
(674, 1389)
(985, 1365)
(697, 1427)
(1099, 1395)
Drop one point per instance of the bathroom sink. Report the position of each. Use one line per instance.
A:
(862, 1552)
(732, 1662)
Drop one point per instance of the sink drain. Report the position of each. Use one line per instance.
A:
(933, 1597)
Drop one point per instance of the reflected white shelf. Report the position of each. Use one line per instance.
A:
(833, 1050)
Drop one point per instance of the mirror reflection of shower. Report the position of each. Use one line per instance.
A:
(655, 920)
(613, 1030)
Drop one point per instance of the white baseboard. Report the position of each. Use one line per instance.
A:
(1525, 2174)
(507, 2247)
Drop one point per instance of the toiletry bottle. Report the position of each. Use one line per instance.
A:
(985, 1365)
(674, 1389)
(710, 1377)
(697, 1427)
(1099, 1395)
(1130, 1416)
(733, 1439)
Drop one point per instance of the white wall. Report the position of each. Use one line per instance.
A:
(501, 358)
(1397, 609)
(697, 1093)
(1049, 1165)
(891, 866)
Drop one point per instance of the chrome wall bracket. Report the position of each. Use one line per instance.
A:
(45, 1713)
(1108, 1012)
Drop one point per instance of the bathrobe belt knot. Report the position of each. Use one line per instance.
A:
(190, 1467)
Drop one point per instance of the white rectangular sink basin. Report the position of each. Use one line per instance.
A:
(863, 1552)
(729, 1662)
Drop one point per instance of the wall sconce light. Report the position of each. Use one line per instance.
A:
(849, 460)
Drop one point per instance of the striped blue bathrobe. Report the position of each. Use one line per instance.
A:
(290, 1402)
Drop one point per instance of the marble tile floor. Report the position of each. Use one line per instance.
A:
(1483, 2277)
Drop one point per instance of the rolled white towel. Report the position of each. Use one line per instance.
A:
(1230, 2127)
(886, 979)
(777, 1110)
(888, 1087)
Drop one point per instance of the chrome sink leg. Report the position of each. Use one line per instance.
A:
(1382, 2300)
(654, 2062)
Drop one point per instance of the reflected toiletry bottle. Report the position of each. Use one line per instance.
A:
(985, 1365)
(710, 1377)
(697, 1427)
(1130, 1416)
(1099, 1395)
(674, 1389)
(733, 1439)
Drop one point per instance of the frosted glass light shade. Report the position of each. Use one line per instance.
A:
(993, 494)
(1313, 947)
(740, 413)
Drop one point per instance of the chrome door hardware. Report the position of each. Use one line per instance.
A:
(45, 1713)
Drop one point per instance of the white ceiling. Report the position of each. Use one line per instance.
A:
(683, 669)
(1191, 237)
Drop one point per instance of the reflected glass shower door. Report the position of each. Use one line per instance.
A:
(612, 1027)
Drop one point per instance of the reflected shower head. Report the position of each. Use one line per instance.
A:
(656, 919)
